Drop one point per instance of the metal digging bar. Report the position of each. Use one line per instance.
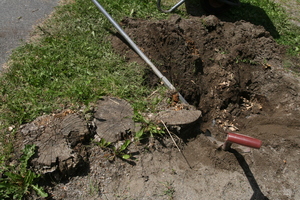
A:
(137, 49)
(171, 9)
(179, 3)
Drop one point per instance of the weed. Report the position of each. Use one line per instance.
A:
(120, 151)
(103, 143)
(93, 187)
(18, 181)
(148, 128)
(173, 171)
(169, 190)
(117, 150)
(245, 60)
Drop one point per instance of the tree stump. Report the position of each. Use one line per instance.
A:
(59, 139)
(113, 118)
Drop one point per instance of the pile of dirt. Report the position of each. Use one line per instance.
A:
(232, 73)
(227, 70)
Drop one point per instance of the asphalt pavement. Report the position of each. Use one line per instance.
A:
(17, 18)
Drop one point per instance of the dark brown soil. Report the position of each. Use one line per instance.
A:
(213, 64)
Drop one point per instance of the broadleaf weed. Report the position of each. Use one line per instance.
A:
(117, 151)
(148, 128)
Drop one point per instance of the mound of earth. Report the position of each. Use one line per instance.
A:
(233, 74)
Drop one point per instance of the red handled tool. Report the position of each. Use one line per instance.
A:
(236, 138)
(241, 140)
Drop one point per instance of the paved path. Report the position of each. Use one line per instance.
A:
(16, 20)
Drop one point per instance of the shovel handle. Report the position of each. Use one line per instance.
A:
(241, 140)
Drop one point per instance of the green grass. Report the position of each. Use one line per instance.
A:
(18, 181)
(71, 62)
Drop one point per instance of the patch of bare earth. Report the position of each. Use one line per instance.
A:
(233, 73)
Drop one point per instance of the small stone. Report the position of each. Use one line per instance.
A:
(11, 128)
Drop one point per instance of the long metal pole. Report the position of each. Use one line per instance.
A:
(170, 10)
(137, 49)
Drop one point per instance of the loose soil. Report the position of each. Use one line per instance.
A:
(233, 73)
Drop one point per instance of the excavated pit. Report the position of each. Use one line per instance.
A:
(229, 71)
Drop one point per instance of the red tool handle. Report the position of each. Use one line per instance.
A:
(241, 140)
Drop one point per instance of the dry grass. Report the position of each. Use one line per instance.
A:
(292, 8)
(65, 2)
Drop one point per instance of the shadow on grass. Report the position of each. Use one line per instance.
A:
(245, 11)
(257, 193)
(252, 14)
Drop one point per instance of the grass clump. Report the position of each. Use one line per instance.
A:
(117, 150)
(18, 181)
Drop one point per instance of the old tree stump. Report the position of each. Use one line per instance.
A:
(113, 119)
(59, 139)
